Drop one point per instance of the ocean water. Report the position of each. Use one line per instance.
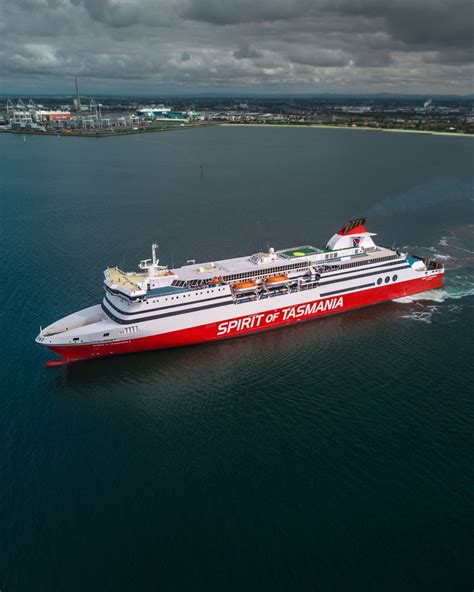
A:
(335, 455)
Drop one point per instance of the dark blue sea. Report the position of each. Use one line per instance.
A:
(336, 455)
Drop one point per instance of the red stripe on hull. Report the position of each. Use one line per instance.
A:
(253, 323)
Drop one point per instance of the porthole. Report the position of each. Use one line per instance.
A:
(379, 281)
(394, 278)
(387, 279)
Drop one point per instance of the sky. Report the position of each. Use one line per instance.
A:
(242, 46)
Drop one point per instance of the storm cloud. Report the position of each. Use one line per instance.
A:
(310, 46)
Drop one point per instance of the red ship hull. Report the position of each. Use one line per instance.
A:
(233, 328)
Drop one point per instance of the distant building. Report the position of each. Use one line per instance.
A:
(49, 115)
(154, 111)
(356, 110)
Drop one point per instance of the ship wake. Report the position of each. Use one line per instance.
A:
(451, 249)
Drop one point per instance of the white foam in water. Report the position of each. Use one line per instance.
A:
(439, 295)
(457, 286)
(440, 256)
(423, 316)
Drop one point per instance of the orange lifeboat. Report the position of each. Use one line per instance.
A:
(215, 280)
(277, 280)
(244, 286)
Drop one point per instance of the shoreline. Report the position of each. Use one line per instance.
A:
(75, 134)
(348, 127)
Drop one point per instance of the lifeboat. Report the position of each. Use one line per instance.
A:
(214, 281)
(277, 281)
(247, 286)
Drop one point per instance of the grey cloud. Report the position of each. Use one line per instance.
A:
(243, 11)
(246, 52)
(416, 22)
(323, 58)
(264, 45)
(373, 59)
(450, 56)
(117, 14)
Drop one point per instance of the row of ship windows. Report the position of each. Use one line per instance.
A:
(387, 279)
(187, 295)
(254, 274)
(365, 262)
(302, 264)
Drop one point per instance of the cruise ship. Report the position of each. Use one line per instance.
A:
(159, 307)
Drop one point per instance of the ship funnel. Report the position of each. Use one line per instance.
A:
(352, 235)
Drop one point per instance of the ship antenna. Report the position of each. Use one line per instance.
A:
(154, 246)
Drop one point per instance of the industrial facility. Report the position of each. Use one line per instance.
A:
(86, 116)
(90, 117)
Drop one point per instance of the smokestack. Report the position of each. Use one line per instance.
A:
(78, 98)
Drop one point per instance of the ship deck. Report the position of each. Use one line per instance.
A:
(130, 281)
(305, 251)
(244, 265)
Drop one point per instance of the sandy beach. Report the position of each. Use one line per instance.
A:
(346, 127)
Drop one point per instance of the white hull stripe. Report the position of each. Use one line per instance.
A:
(328, 275)
(355, 269)
(341, 291)
(369, 273)
(111, 315)
(159, 308)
